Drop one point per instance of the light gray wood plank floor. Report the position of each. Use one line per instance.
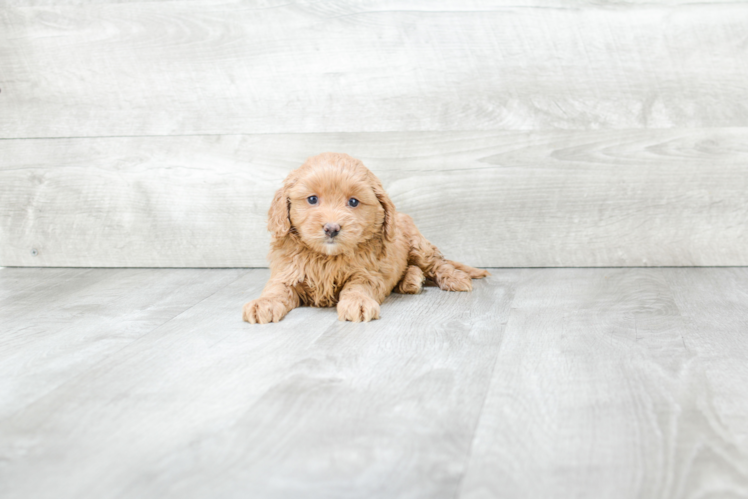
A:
(541, 382)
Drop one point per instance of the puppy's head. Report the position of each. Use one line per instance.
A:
(332, 203)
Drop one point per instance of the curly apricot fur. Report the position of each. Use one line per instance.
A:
(376, 251)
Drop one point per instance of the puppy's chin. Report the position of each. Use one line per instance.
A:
(326, 247)
(331, 248)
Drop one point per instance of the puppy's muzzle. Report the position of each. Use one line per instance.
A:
(332, 230)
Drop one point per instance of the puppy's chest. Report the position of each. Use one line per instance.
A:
(321, 287)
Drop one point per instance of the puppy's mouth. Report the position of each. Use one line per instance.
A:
(330, 246)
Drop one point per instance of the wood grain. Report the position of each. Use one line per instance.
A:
(59, 327)
(713, 303)
(602, 389)
(525, 199)
(204, 67)
(539, 383)
(208, 405)
(20, 282)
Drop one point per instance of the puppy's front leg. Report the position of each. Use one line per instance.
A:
(274, 303)
(358, 302)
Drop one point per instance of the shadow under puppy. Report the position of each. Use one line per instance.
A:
(337, 240)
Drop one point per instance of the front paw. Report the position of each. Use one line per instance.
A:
(358, 308)
(263, 311)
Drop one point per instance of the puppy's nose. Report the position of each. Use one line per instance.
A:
(332, 230)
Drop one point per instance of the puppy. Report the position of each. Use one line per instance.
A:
(337, 240)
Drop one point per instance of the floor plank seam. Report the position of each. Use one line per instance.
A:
(468, 456)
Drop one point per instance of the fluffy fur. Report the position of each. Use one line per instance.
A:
(376, 251)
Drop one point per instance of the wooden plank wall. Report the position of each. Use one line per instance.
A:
(516, 133)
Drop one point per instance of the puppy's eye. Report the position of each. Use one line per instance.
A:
(312, 200)
(353, 202)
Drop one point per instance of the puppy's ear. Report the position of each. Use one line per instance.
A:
(389, 208)
(279, 218)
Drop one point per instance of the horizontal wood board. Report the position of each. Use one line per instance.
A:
(202, 67)
(489, 198)
(592, 134)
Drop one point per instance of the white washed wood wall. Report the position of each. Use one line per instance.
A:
(516, 133)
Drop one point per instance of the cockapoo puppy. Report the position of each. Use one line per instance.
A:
(337, 240)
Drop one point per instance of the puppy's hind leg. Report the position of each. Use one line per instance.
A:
(436, 268)
(471, 271)
(449, 278)
(448, 275)
(412, 281)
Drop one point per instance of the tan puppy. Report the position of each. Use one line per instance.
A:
(337, 239)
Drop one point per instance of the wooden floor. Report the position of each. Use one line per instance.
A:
(541, 382)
